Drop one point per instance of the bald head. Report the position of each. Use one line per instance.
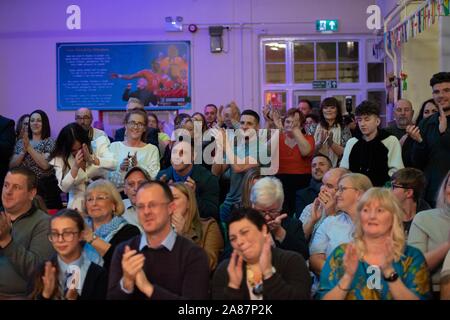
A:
(403, 113)
(83, 117)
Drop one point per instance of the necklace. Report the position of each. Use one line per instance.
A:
(255, 281)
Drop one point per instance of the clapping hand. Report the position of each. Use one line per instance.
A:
(191, 184)
(49, 280)
(265, 259)
(178, 221)
(350, 260)
(414, 132)
(132, 263)
(234, 269)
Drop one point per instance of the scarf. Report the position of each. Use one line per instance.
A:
(106, 232)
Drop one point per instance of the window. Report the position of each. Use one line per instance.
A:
(275, 57)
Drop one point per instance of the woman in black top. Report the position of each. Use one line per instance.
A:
(256, 270)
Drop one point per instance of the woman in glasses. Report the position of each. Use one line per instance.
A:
(69, 274)
(331, 134)
(106, 227)
(377, 264)
(339, 228)
(256, 269)
(134, 151)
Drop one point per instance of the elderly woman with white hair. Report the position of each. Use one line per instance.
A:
(430, 233)
(377, 265)
(267, 197)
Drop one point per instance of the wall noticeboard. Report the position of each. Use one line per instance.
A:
(102, 76)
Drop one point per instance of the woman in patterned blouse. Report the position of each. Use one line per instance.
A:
(32, 150)
(377, 265)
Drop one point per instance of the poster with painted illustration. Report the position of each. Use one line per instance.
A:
(104, 76)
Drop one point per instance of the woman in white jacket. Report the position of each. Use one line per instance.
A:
(76, 164)
(134, 151)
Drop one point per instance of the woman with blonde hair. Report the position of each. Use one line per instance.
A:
(377, 265)
(187, 223)
(106, 227)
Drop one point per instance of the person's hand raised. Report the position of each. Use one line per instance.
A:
(49, 280)
(350, 260)
(234, 269)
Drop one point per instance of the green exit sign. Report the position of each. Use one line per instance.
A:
(326, 25)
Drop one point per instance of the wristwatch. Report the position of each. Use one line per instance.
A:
(94, 236)
(392, 277)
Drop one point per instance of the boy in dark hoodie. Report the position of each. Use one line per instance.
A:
(377, 154)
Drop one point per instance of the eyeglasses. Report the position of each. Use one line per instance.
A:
(151, 205)
(342, 189)
(66, 236)
(330, 186)
(83, 118)
(98, 198)
(134, 124)
(398, 186)
(272, 213)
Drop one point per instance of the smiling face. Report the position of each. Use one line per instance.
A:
(36, 124)
(246, 239)
(376, 221)
(154, 210)
(329, 112)
(347, 196)
(441, 95)
(69, 250)
(319, 166)
(429, 110)
(100, 205)
(16, 197)
(135, 127)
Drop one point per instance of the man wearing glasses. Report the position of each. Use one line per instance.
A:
(83, 117)
(267, 197)
(408, 185)
(23, 233)
(158, 264)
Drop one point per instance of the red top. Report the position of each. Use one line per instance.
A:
(291, 160)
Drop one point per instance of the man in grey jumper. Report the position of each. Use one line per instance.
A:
(23, 233)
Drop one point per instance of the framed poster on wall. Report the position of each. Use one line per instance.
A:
(104, 75)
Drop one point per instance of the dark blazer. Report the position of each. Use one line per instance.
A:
(291, 280)
(295, 237)
(94, 287)
(206, 191)
(152, 136)
(7, 142)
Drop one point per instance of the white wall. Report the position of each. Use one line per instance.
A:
(29, 31)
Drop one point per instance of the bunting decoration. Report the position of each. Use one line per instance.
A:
(421, 20)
